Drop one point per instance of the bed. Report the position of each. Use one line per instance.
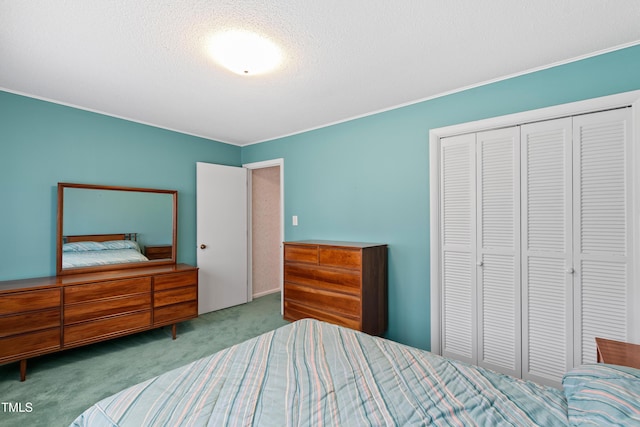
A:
(100, 249)
(314, 373)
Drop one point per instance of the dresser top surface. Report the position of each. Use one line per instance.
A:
(335, 243)
(71, 279)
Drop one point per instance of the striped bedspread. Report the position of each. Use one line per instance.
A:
(311, 373)
(90, 258)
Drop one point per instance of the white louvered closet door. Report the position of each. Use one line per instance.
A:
(458, 237)
(537, 235)
(547, 276)
(498, 249)
(602, 229)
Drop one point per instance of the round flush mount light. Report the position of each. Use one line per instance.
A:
(244, 53)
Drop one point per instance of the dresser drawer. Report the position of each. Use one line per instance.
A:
(327, 278)
(294, 311)
(22, 346)
(323, 300)
(301, 253)
(174, 296)
(29, 321)
(175, 312)
(98, 291)
(96, 309)
(28, 301)
(175, 280)
(109, 327)
(340, 257)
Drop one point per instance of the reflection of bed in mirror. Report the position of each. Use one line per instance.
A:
(92, 213)
(100, 249)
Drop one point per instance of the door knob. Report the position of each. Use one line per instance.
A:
(203, 246)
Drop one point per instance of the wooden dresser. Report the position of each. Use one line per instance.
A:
(338, 282)
(49, 314)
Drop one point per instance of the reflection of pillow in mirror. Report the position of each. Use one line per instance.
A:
(83, 246)
(122, 244)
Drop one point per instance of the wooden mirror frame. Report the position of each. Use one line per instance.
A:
(60, 221)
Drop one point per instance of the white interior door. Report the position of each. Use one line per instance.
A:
(222, 236)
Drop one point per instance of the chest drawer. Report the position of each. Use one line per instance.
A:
(103, 308)
(175, 312)
(98, 291)
(28, 301)
(301, 253)
(175, 280)
(327, 278)
(340, 257)
(173, 296)
(29, 321)
(324, 300)
(19, 346)
(295, 311)
(107, 327)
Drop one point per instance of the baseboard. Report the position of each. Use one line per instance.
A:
(269, 292)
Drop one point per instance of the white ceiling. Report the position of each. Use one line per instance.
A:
(146, 60)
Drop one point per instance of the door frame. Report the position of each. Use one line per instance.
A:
(625, 99)
(261, 165)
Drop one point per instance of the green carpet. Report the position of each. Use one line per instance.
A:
(61, 386)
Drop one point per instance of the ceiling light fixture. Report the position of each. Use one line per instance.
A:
(245, 53)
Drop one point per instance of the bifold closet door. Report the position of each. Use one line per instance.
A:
(603, 230)
(458, 250)
(576, 240)
(498, 250)
(480, 249)
(547, 266)
(536, 255)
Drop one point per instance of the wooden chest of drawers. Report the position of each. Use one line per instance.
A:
(339, 282)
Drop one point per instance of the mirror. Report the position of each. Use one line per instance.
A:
(107, 227)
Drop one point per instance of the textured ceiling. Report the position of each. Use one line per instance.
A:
(146, 60)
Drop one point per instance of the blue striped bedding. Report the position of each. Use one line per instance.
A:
(313, 373)
(113, 256)
(84, 254)
(603, 395)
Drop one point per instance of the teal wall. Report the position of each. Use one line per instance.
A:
(42, 143)
(368, 179)
(91, 211)
(364, 180)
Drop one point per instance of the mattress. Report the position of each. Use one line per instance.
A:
(313, 373)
